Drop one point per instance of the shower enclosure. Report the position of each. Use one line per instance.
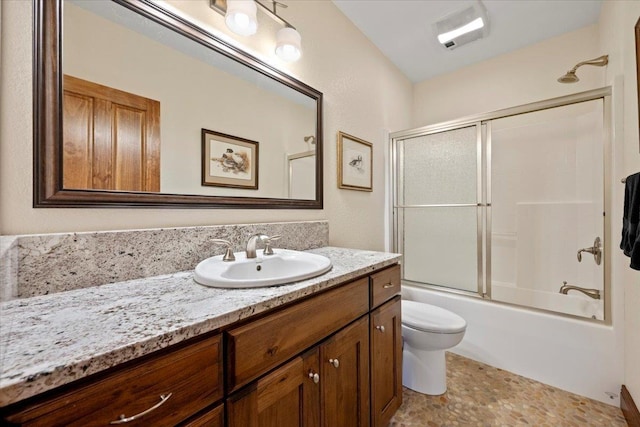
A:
(502, 206)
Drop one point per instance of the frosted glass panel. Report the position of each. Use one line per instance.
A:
(440, 168)
(440, 246)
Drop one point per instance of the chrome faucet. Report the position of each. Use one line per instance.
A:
(591, 293)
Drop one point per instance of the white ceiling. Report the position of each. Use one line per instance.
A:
(403, 29)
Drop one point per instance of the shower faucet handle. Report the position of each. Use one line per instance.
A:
(595, 250)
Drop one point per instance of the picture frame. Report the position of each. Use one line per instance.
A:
(229, 161)
(355, 163)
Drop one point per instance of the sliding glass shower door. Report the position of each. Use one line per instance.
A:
(439, 208)
(509, 207)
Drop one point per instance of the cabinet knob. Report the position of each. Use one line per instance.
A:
(334, 362)
(380, 328)
(314, 377)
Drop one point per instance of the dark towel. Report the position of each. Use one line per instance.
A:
(630, 243)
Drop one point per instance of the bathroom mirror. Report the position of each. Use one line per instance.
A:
(136, 106)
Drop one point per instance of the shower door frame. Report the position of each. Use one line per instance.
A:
(483, 195)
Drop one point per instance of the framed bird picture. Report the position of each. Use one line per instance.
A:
(229, 161)
(355, 163)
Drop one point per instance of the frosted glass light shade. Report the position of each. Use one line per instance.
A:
(241, 17)
(288, 44)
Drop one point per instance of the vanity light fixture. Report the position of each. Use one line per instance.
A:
(463, 26)
(240, 17)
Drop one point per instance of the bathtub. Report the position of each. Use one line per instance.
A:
(580, 356)
(574, 303)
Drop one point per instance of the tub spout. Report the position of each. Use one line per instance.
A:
(591, 293)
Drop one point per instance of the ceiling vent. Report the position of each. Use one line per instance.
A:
(463, 26)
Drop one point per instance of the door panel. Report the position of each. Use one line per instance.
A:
(111, 138)
(288, 397)
(345, 377)
(437, 208)
(386, 362)
(77, 152)
(129, 148)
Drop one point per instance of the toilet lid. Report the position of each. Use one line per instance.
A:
(429, 318)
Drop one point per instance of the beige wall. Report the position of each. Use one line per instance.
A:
(364, 94)
(519, 77)
(617, 22)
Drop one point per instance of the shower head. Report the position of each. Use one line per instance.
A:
(571, 76)
(310, 139)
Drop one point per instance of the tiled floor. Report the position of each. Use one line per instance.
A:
(481, 395)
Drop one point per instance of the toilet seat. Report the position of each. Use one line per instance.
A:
(429, 318)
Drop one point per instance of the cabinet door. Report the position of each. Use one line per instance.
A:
(212, 418)
(386, 362)
(345, 377)
(288, 397)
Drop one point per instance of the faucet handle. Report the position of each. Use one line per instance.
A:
(268, 250)
(228, 254)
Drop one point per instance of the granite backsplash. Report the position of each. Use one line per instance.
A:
(32, 265)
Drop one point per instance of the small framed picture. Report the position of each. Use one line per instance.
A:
(229, 161)
(355, 163)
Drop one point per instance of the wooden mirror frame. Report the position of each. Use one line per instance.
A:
(47, 119)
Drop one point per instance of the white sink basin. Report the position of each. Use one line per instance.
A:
(284, 266)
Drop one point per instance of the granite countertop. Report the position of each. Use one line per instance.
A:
(51, 340)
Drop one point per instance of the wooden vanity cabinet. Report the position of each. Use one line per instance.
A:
(161, 391)
(356, 359)
(327, 386)
(331, 360)
(260, 345)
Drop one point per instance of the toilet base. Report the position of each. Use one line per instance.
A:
(424, 371)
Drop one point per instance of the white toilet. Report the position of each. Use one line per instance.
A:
(428, 331)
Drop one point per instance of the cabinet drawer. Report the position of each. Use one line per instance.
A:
(384, 285)
(263, 344)
(192, 376)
